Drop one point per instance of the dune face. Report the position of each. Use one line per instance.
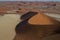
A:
(41, 19)
(53, 37)
(7, 26)
(28, 15)
(36, 32)
(29, 30)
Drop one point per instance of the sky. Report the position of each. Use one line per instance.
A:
(30, 0)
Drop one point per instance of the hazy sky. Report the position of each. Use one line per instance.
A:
(29, 0)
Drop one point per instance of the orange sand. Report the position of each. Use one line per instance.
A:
(40, 19)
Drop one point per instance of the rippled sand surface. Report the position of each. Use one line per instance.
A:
(7, 26)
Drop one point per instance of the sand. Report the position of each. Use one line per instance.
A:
(7, 26)
(9, 21)
(54, 15)
(41, 19)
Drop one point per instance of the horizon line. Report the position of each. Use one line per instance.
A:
(28, 1)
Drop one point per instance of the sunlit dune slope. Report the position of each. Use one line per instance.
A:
(41, 19)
